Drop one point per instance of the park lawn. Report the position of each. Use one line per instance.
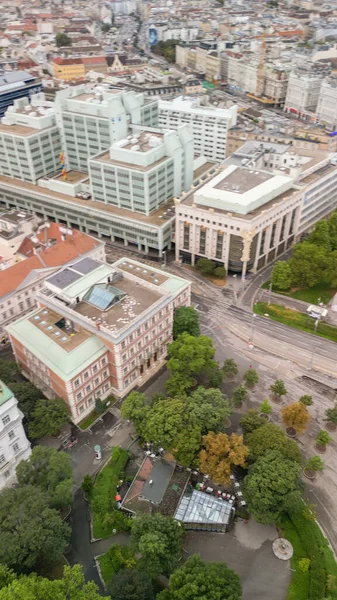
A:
(295, 319)
(116, 558)
(299, 583)
(311, 295)
(105, 516)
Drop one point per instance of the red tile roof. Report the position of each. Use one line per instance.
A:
(57, 255)
(67, 61)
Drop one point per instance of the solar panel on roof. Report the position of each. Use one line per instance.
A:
(64, 278)
(86, 265)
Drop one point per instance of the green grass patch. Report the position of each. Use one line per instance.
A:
(295, 319)
(310, 295)
(116, 558)
(90, 419)
(105, 515)
(299, 584)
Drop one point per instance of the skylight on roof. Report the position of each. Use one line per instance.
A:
(36, 317)
(64, 339)
(57, 333)
(43, 322)
(50, 327)
(44, 312)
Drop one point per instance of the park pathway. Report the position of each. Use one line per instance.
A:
(82, 551)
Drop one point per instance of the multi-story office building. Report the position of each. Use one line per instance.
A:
(199, 60)
(261, 201)
(15, 225)
(100, 329)
(144, 171)
(304, 87)
(14, 446)
(16, 84)
(90, 121)
(30, 142)
(209, 125)
(68, 69)
(327, 103)
(40, 254)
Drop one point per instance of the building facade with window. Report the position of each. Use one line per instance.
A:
(209, 125)
(246, 216)
(99, 329)
(14, 445)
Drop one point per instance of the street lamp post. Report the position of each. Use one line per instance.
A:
(235, 290)
(164, 257)
(270, 291)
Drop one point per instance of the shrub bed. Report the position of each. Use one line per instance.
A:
(116, 558)
(106, 516)
(299, 584)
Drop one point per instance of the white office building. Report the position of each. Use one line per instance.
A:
(327, 103)
(30, 142)
(257, 206)
(209, 125)
(145, 170)
(304, 87)
(14, 445)
(91, 120)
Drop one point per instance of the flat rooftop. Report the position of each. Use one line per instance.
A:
(138, 298)
(141, 141)
(21, 130)
(145, 273)
(54, 327)
(72, 177)
(156, 218)
(243, 180)
(105, 157)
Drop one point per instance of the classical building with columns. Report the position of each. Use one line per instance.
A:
(255, 207)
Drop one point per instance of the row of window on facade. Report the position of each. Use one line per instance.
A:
(90, 371)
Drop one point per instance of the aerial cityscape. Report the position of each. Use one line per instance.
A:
(168, 300)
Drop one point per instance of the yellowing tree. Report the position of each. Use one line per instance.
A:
(220, 452)
(296, 415)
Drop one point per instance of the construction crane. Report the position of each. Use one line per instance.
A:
(259, 83)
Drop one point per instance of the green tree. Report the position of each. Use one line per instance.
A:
(239, 395)
(158, 539)
(186, 319)
(197, 580)
(265, 407)
(306, 400)
(136, 410)
(308, 264)
(321, 235)
(51, 471)
(27, 396)
(331, 270)
(304, 565)
(251, 377)
(251, 420)
(71, 587)
(315, 463)
(278, 388)
(268, 485)
(31, 533)
(296, 416)
(220, 272)
(62, 39)
(210, 409)
(6, 576)
(9, 371)
(230, 368)
(170, 424)
(331, 414)
(323, 438)
(205, 266)
(47, 417)
(105, 27)
(281, 275)
(271, 437)
(189, 357)
(333, 230)
(129, 584)
(87, 485)
(220, 453)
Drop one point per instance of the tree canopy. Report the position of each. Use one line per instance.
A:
(136, 409)
(186, 320)
(197, 580)
(62, 39)
(9, 371)
(27, 394)
(271, 437)
(307, 264)
(230, 368)
(278, 388)
(220, 452)
(47, 417)
(271, 480)
(51, 471)
(31, 533)
(251, 420)
(159, 540)
(210, 408)
(281, 275)
(296, 415)
(129, 584)
(189, 357)
(71, 587)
